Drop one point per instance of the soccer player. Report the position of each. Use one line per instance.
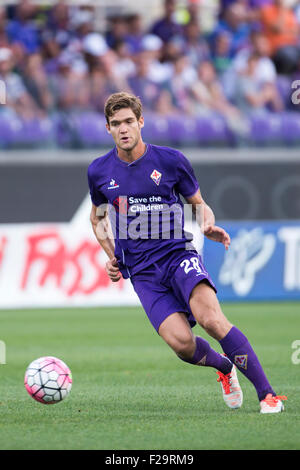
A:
(135, 189)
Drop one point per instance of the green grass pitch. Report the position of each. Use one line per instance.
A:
(131, 392)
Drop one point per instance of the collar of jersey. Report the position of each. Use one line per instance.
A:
(115, 153)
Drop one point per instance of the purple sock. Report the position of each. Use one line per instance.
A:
(212, 358)
(237, 347)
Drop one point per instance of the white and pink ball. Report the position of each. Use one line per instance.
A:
(48, 380)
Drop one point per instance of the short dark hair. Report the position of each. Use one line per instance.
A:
(122, 100)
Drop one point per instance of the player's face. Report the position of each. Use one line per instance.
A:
(125, 129)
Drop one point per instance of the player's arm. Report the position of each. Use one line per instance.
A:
(103, 232)
(206, 219)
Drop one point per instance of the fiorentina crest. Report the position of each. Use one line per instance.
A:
(156, 176)
(241, 361)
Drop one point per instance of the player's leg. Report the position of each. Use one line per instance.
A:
(177, 333)
(207, 311)
(204, 303)
(162, 307)
(163, 310)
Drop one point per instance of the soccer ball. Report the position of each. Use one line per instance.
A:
(48, 380)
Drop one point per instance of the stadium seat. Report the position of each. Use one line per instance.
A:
(36, 132)
(16, 132)
(183, 130)
(266, 129)
(284, 87)
(157, 129)
(90, 130)
(291, 128)
(191, 131)
(63, 130)
(6, 132)
(212, 130)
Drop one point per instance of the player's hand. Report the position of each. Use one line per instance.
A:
(112, 270)
(217, 234)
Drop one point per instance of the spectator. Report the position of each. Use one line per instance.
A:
(68, 87)
(193, 11)
(68, 67)
(50, 50)
(265, 70)
(166, 28)
(159, 69)
(208, 93)
(59, 16)
(22, 30)
(135, 33)
(4, 42)
(234, 22)
(171, 49)
(221, 52)
(182, 79)
(58, 24)
(252, 7)
(99, 89)
(81, 24)
(112, 68)
(36, 82)
(118, 31)
(195, 46)
(105, 74)
(125, 66)
(280, 27)
(258, 3)
(258, 44)
(297, 11)
(93, 47)
(16, 48)
(18, 100)
(142, 85)
(208, 96)
(252, 95)
(86, 45)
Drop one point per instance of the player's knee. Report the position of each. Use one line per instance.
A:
(183, 345)
(212, 322)
(185, 350)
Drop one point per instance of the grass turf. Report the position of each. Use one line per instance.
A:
(131, 392)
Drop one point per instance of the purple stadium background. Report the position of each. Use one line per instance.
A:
(215, 82)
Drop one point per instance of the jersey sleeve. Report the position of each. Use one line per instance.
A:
(97, 197)
(187, 183)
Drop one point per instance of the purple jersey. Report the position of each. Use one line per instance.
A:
(145, 209)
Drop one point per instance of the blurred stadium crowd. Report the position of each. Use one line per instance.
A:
(228, 86)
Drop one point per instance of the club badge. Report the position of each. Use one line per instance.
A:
(156, 177)
(241, 361)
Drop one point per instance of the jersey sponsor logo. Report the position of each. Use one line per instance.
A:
(113, 184)
(121, 204)
(241, 360)
(156, 177)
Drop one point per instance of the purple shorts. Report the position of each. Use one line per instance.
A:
(165, 286)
